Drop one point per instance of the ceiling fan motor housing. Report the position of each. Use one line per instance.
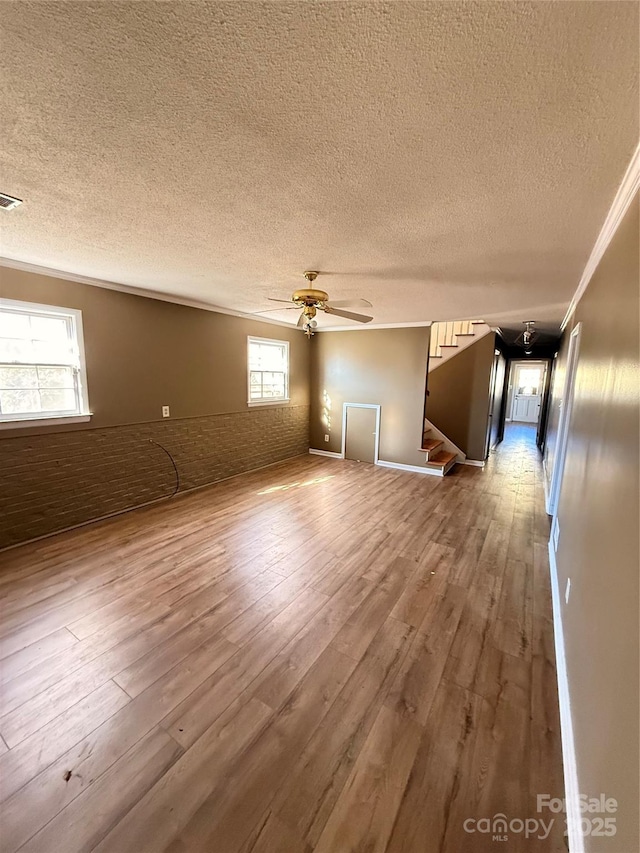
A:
(310, 297)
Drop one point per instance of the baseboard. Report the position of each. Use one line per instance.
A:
(331, 453)
(476, 463)
(571, 787)
(415, 469)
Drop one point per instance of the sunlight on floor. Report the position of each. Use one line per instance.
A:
(287, 486)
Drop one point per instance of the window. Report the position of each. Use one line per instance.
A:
(41, 363)
(268, 371)
(529, 380)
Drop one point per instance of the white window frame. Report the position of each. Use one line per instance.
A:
(267, 401)
(83, 414)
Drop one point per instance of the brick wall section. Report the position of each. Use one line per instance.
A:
(53, 481)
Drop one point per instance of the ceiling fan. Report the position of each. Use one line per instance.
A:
(311, 301)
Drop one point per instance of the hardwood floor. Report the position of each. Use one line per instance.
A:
(320, 656)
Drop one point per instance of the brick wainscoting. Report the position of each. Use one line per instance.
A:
(54, 481)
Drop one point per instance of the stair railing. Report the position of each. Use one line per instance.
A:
(445, 334)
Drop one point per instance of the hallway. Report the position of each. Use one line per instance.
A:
(522, 435)
(319, 656)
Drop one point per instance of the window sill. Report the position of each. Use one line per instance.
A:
(55, 421)
(252, 403)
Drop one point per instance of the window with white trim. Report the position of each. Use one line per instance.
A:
(42, 373)
(268, 371)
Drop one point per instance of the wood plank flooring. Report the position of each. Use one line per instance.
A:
(319, 656)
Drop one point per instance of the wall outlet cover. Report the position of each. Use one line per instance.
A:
(165, 412)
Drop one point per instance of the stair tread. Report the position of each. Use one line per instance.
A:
(441, 459)
(431, 444)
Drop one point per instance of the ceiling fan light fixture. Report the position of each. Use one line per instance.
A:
(527, 338)
(311, 300)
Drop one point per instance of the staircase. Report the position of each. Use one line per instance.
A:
(439, 456)
(448, 339)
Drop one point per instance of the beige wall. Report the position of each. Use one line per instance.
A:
(598, 549)
(142, 354)
(383, 366)
(458, 402)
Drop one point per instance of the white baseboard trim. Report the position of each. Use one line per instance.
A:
(474, 462)
(415, 469)
(571, 787)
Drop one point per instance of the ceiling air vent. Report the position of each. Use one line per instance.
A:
(8, 202)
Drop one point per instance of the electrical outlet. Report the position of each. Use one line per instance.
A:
(567, 591)
(165, 412)
(326, 438)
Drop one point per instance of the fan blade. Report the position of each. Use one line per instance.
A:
(351, 303)
(301, 320)
(271, 299)
(359, 318)
(269, 310)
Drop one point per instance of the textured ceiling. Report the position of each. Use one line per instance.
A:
(444, 160)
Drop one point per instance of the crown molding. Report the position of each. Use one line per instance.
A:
(24, 266)
(621, 203)
(365, 328)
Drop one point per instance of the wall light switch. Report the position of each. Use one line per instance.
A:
(326, 438)
(567, 591)
(165, 412)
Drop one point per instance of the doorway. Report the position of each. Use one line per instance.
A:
(360, 432)
(525, 391)
(495, 424)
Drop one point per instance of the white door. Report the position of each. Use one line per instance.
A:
(527, 392)
(526, 408)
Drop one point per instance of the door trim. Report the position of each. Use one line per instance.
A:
(376, 446)
(562, 440)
